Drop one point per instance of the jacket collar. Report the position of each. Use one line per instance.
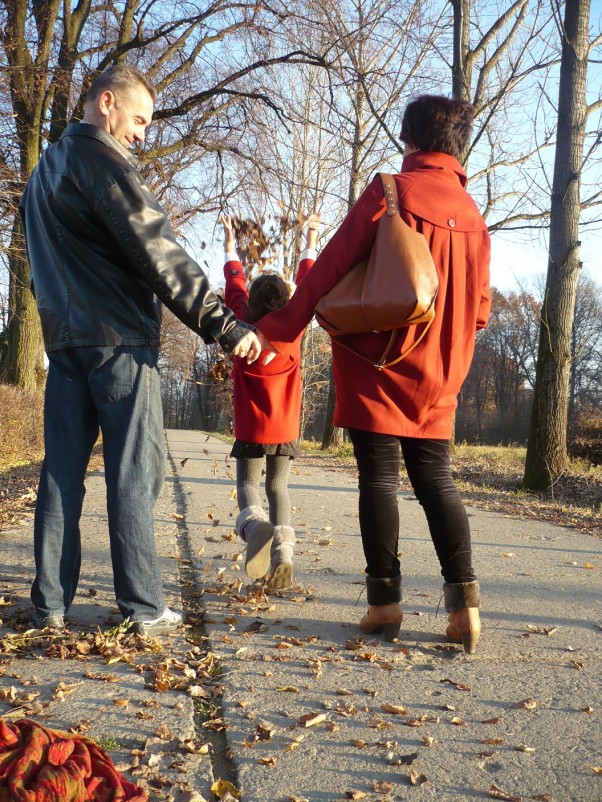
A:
(93, 131)
(425, 160)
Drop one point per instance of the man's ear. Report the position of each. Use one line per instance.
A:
(105, 102)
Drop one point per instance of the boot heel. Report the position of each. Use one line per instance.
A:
(469, 641)
(391, 631)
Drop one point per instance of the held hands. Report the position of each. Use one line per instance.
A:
(229, 241)
(266, 349)
(252, 345)
(249, 347)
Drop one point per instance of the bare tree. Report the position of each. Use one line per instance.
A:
(50, 50)
(547, 456)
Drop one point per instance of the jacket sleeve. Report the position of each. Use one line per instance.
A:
(351, 243)
(142, 230)
(308, 260)
(237, 294)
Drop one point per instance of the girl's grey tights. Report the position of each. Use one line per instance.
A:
(248, 477)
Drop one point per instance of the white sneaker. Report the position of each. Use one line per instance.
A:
(158, 626)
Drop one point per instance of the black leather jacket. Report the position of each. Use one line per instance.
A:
(102, 251)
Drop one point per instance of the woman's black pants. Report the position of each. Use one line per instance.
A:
(428, 467)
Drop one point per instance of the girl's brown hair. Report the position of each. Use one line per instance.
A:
(267, 293)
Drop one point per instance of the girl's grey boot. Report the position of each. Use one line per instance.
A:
(281, 558)
(257, 532)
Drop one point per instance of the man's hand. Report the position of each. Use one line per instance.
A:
(249, 347)
(266, 348)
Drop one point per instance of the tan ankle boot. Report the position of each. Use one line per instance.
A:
(385, 618)
(384, 612)
(462, 601)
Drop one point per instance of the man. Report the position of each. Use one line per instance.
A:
(103, 256)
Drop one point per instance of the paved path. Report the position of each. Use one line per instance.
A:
(416, 720)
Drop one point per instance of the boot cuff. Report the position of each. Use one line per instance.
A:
(254, 512)
(385, 590)
(459, 595)
(284, 534)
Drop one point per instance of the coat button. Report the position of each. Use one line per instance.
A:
(451, 222)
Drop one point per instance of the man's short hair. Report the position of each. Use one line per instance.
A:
(119, 78)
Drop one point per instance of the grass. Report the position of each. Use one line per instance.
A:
(110, 744)
(490, 477)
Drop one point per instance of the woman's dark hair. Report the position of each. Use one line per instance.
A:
(267, 293)
(436, 123)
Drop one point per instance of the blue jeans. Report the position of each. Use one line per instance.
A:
(428, 466)
(114, 390)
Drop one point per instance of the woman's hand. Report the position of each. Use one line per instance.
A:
(267, 351)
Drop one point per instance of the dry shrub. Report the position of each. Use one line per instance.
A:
(586, 441)
(21, 426)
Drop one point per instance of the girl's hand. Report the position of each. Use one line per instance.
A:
(313, 225)
(226, 221)
(313, 222)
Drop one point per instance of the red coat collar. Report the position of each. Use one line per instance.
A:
(425, 160)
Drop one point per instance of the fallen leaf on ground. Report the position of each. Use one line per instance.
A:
(121, 702)
(397, 710)
(495, 720)
(256, 626)
(541, 630)
(310, 719)
(523, 748)
(458, 685)
(382, 787)
(527, 704)
(267, 761)
(417, 779)
(498, 793)
(221, 787)
(459, 722)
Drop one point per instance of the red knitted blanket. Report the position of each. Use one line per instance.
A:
(42, 765)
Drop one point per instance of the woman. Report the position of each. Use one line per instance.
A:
(411, 405)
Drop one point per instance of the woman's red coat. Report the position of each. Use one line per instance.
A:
(267, 398)
(418, 396)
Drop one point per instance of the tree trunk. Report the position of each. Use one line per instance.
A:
(547, 446)
(22, 353)
(333, 436)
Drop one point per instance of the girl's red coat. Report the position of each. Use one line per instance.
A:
(416, 397)
(267, 398)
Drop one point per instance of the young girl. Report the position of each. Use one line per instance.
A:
(267, 405)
